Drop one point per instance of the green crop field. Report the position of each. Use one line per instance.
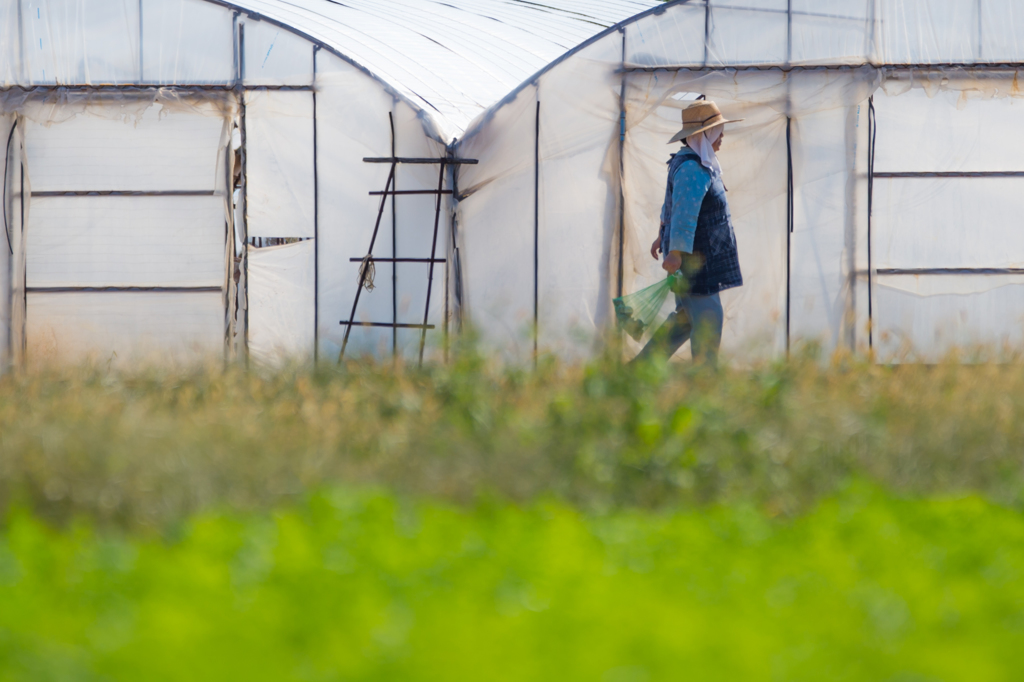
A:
(793, 521)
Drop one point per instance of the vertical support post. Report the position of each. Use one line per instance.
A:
(7, 234)
(453, 252)
(7, 161)
(875, 33)
(244, 199)
(449, 258)
(536, 232)
(872, 131)
(229, 242)
(234, 56)
(433, 255)
(142, 70)
(789, 32)
(790, 190)
(622, 165)
(707, 30)
(981, 45)
(21, 270)
(851, 245)
(394, 244)
(316, 221)
(22, 62)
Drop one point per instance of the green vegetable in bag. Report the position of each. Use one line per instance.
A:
(637, 312)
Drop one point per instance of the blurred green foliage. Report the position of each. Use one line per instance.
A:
(367, 586)
(146, 449)
(791, 521)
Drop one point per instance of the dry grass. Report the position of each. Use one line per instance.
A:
(145, 449)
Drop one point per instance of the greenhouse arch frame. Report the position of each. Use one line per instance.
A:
(298, 204)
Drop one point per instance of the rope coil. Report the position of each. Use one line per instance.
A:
(367, 271)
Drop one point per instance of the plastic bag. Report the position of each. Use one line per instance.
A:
(636, 313)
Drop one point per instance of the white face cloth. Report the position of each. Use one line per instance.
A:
(702, 143)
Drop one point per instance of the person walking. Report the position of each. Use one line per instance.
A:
(696, 238)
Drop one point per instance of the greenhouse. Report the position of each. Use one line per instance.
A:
(282, 179)
(875, 184)
(189, 179)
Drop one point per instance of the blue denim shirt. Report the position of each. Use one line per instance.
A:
(684, 194)
(696, 221)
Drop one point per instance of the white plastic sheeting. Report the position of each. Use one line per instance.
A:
(830, 33)
(124, 326)
(801, 74)
(119, 209)
(281, 301)
(126, 241)
(279, 164)
(99, 151)
(451, 58)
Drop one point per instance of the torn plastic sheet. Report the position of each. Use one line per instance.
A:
(47, 106)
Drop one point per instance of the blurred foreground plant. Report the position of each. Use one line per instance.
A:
(366, 586)
(150, 447)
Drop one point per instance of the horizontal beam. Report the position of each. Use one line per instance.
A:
(153, 86)
(97, 193)
(389, 325)
(411, 191)
(954, 174)
(399, 260)
(161, 290)
(950, 271)
(994, 66)
(404, 159)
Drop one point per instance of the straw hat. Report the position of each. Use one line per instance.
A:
(700, 116)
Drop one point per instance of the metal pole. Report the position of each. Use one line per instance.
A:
(981, 45)
(707, 29)
(142, 70)
(789, 32)
(229, 241)
(789, 227)
(394, 244)
(622, 165)
(244, 199)
(872, 132)
(23, 341)
(23, 76)
(433, 253)
(316, 222)
(7, 161)
(536, 232)
(453, 265)
(447, 265)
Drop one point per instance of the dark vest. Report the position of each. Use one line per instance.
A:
(714, 265)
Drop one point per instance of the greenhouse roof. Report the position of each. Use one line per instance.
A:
(453, 57)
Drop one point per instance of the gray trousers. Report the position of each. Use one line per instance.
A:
(698, 319)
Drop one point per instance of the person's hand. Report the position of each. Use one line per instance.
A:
(673, 261)
(656, 248)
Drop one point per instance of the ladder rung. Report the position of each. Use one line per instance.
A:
(403, 159)
(411, 191)
(389, 325)
(400, 260)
